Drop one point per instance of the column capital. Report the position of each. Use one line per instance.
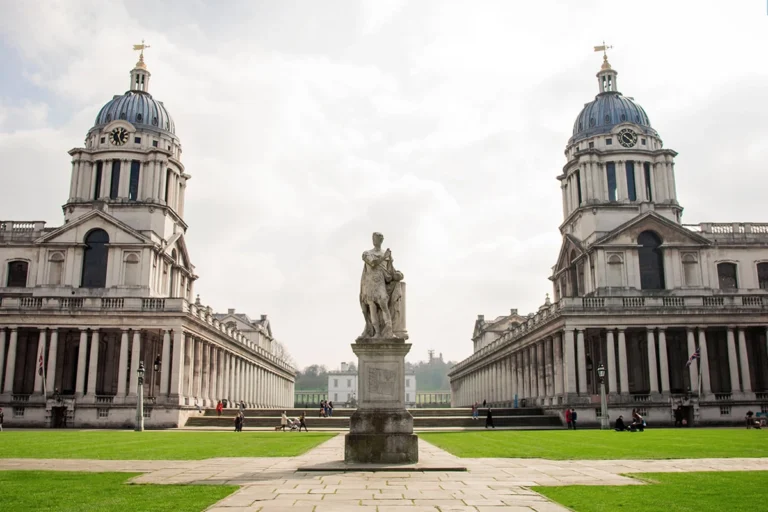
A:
(621, 328)
(125, 329)
(83, 329)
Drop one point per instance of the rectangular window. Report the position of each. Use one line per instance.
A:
(137, 140)
(642, 141)
(349, 383)
(97, 185)
(647, 172)
(609, 142)
(103, 140)
(336, 397)
(610, 171)
(591, 145)
(154, 143)
(18, 412)
(102, 413)
(578, 185)
(407, 383)
(114, 186)
(335, 383)
(167, 184)
(133, 187)
(631, 191)
(407, 397)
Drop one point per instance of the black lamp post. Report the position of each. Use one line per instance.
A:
(603, 402)
(140, 399)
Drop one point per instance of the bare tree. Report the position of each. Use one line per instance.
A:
(280, 352)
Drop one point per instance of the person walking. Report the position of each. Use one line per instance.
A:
(574, 416)
(489, 419)
(283, 421)
(219, 408)
(474, 411)
(330, 409)
(238, 422)
(197, 406)
(302, 423)
(568, 419)
(483, 402)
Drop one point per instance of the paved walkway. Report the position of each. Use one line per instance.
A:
(488, 485)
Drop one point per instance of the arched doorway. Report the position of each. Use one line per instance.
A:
(95, 259)
(651, 261)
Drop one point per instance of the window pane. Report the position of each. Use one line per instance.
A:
(610, 169)
(726, 275)
(17, 273)
(97, 185)
(762, 275)
(631, 192)
(647, 169)
(133, 187)
(114, 186)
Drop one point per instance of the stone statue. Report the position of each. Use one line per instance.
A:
(380, 292)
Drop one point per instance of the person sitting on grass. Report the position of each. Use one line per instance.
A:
(638, 423)
(619, 425)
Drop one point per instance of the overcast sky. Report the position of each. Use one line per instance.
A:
(307, 125)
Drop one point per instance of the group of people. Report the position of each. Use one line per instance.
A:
(638, 423)
(326, 409)
(570, 418)
(488, 414)
(752, 422)
(293, 423)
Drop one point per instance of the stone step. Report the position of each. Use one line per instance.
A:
(416, 413)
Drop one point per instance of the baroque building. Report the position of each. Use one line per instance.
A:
(635, 290)
(83, 304)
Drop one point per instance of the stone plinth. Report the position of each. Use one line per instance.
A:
(381, 430)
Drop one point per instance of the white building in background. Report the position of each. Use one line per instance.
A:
(342, 387)
(112, 288)
(635, 290)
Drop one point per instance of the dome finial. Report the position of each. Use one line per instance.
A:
(604, 48)
(141, 47)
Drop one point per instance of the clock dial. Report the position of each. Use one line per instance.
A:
(627, 138)
(118, 136)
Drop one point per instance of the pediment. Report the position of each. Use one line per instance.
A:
(570, 244)
(177, 242)
(670, 232)
(76, 231)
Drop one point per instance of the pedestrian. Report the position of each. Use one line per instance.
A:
(302, 422)
(568, 418)
(197, 406)
(483, 402)
(1, 419)
(489, 419)
(242, 407)
(574, 416)
(679, 416)
(474, 411)
(330, 409)
(242, 421)
(283, 421)
(238, 422)
(219, 408)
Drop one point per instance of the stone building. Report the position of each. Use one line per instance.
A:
(81, 305)
(634, 289)
(342, 386)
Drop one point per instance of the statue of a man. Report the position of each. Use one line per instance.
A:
(377, 290)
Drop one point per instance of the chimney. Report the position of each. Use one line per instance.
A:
(263, 317)
(231, 311)
(344, 367)
(513, 312)
(481, 317)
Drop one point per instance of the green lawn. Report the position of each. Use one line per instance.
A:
(738, 491)
(605, 444)
(62, 491)
(129, 445)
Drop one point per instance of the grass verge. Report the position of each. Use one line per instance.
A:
(129, 445)
(605, 444)
(64, 491)
(737, 491)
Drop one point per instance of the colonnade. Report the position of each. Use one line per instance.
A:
(563, 366)
(179, 367)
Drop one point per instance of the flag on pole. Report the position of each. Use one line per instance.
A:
(695, 355)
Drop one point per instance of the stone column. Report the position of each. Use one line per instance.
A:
(623, 366)
(198, 366)
(205, 374)
(541, 371)
(82, 355)
(733, 362)
(582, 355)
(133, 377)
(215, 387)
(165, 366)
(52, 356)
(2, 356)
(693, 368)
(705, 385)
(557, 349)
(224, 376)
(41, 342)
(569, 362)
(176, 390)
(611, 356)
(653, 375)
(549, 375)
(93, 364)
(526, 373)
(746, 381)
(663, 364)
(122, 370)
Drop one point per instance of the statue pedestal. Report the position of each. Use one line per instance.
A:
(381, 430)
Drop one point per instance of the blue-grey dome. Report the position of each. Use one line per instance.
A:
(606, 111)
(138, 108)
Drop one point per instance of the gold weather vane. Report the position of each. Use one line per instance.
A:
(604, 48)
(141, 47)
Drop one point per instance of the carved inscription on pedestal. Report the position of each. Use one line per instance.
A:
(382, 382)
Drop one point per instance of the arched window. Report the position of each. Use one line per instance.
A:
(726, 276)
(95, 259)
(651, 261)
(131, 269)
(762, 275)
(17, 274)
(55, 268)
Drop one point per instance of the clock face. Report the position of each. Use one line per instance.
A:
(627, 138)
(118, 136)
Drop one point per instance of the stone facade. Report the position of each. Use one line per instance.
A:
(342, 387)
(83, 304)
(634, 289)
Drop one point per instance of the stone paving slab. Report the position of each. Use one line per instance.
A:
(276, 484)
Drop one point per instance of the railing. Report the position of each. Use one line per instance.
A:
(761, 396)
(730, 231)
(71, 303)
(153, 304)
(10, 230)
(112, 303)
(104, 399)
(617, 305)
(31, 302)
(19, 398)
(641, 398)
(723, 397)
